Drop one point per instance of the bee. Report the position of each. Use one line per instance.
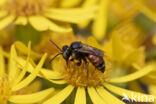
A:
(81, 52)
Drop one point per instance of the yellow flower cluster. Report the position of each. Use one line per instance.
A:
(41, 14)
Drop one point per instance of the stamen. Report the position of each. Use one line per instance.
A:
(77, 75)
(25, 7)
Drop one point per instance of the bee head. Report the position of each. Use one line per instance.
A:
(66, 52)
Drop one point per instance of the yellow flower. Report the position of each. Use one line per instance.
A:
(100, 22)
(124, 50)
(127, 54)
(13, 84)
(148, 80)
(122, 53)
(130, 52)
(22, 49)
(142, 6)
(96, 85)
(121, 10)
(41, 14)
(130, 34)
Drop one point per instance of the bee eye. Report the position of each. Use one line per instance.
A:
(66, 54)
(65, 48)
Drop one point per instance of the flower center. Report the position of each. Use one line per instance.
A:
(83, 76)
(25, 7)
(5, 89)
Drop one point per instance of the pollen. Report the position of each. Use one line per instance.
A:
(5, 89)
(25, 7)
(84, 76)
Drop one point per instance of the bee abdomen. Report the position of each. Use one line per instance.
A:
(98, 62)
(101, 66)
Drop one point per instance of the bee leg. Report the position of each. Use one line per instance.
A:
(79, 63)
(67, 62)
(86, 64)
(72, 59)
(75, 64)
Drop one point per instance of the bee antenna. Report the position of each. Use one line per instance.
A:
(54, 57)
(56, 45)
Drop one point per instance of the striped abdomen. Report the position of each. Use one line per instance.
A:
(97, 61)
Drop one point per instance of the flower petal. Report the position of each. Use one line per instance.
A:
(96, 99)
(93, 42)
(100, 23)
(128, 93)
(3, 13)
(80, 96)
(152, 89)
(33, 87)
(148, 76)
(57, 64)
(86, 4)
(24, 50)
(57, 28)
(2, 2)
(68, 3)
(60, 96)
(58, 81)
(21, 75)
(50, 74)
(133, 76)
(21, 20)
(6, 54)
(117, 47)
(145, 10)
(31, 98)
(31, 77)
(6, 21)
(2, 63)
(43, 73)
(41, 23)
(133, 57)
(13, 70)
(69, 19)
(106, 96)
(73, 16)
(72, 12)
(89, 3)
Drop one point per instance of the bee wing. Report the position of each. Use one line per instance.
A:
(91, 50)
